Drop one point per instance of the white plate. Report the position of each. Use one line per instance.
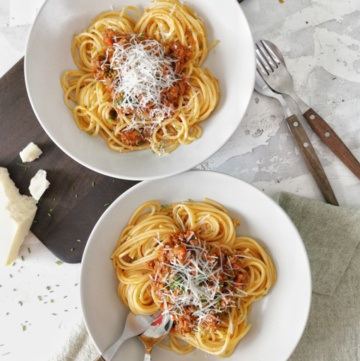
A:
(48, 56)
(277, 321)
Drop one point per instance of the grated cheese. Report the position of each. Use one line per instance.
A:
(187, 283)
(143, 73)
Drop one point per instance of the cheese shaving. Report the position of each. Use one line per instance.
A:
(143, 73)
(202, 279)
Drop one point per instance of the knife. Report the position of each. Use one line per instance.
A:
(302, 141)
(329, 137)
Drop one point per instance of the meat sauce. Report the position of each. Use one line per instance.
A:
(177, 54)
(198, 283)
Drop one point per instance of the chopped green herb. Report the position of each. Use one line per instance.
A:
(78, 240)
(25, 166)
(24, 327)
(59, 262)
(72, 249)
(22, 258)
(29, 250)
(106, 204)
(20, 303)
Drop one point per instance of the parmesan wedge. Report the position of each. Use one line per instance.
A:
(17, 213)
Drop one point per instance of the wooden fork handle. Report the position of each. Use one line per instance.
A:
(332, 140)
(312, 161)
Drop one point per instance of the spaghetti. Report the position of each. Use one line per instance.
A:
(186, 259)
(139, 83)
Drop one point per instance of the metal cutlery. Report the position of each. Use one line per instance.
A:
(271, 66)
(302, 141)
(155, 333)
(134, 325)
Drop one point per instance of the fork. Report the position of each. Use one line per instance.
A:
(271, 66)
(134, 325)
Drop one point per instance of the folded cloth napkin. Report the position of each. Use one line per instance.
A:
(331, 235)
(77, 347)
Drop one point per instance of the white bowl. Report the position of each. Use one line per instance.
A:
(48, 55)
(277, 321)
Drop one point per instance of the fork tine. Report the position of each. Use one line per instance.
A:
(259, 66)
(270, 53)
(261, 62)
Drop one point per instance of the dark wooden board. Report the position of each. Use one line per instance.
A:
(77, 196)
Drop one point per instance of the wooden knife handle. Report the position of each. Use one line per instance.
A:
(332, 140)
(100, 358)
(311, 159)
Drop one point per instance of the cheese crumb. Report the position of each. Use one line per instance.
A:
(30, 153)
(17, 213)
(38, 184)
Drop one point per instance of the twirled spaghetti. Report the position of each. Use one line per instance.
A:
(186, 259)
(139, 83)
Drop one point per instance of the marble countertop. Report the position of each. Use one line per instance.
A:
(320, 39)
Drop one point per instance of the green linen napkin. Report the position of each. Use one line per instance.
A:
(331, 236)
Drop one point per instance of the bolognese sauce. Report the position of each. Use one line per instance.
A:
(144, 77)
(197, 282)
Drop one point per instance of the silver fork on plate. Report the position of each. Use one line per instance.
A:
(271, 66)
(302, 141)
